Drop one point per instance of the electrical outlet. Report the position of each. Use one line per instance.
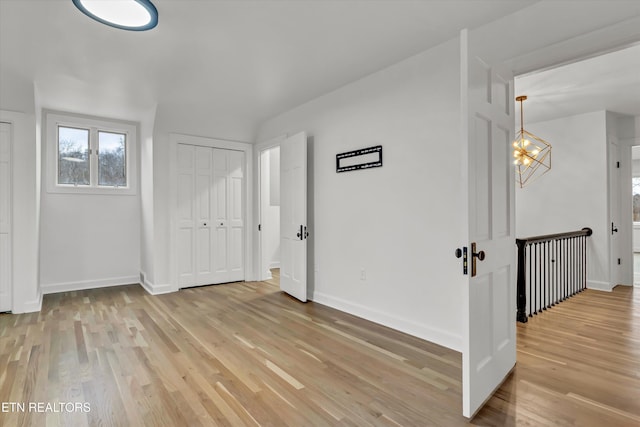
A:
(363, 274)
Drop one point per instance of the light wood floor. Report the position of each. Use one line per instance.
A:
(246, 354)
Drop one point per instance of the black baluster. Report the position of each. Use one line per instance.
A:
(544, 276)
(534, 280)
(584, 262)
(576, 264)
(551, 267)
(581, 264)
(521, 315)
(566, 269)
(555, 270)
(561, 271)
(570, 266)
(586, 256)
(529, 281)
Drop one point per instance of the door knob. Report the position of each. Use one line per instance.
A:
(614, 229)
(479, 255)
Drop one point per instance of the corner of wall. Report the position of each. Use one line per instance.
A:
(32, 306)
(153, 289)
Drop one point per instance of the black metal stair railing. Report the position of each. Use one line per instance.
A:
(551, 268)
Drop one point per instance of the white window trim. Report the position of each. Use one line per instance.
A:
(55, 119)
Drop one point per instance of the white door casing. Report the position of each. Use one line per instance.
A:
(615, 216)
(489, 351)
(293, 216)
(210, 215)
(5, 218)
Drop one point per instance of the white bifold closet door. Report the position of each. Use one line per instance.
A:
(210, 215)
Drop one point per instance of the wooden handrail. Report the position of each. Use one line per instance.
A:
(586, 231)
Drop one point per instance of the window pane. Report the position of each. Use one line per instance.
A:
(73, 156)
(112, 159)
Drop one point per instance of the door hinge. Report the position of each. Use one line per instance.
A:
(259, 227)
(618, 165)
(619, 261)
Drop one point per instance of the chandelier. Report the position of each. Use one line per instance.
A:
(532, 154)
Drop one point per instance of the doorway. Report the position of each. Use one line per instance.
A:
(587, 185)
(270, 214)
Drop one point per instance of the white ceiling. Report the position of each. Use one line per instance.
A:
(607, 82)
(248, 59)
(245, 61)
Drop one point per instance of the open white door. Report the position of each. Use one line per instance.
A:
(293, 216)
(489, 351)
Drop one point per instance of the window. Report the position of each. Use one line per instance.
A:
(73, 156)
(112, 170)
(86, 155)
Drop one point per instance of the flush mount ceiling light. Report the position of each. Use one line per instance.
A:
(133, 15)
(532, 154)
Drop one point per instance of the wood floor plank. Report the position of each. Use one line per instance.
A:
(247, 354)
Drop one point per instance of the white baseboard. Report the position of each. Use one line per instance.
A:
(53, 288)
(157, 289)
(30, 306)
(410, 327)
(599, 286)
(274, 265)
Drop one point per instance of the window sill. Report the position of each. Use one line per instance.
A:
(110, 191)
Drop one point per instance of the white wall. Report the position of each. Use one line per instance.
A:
(89, 240)
(146, 200)
(573, 194)
(269, 193)
(399, 223)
